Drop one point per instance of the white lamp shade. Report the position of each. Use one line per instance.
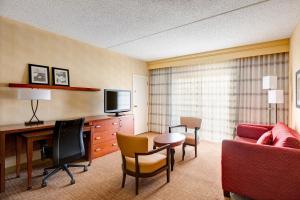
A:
(275, 96)
(34, 94)
(269, 82)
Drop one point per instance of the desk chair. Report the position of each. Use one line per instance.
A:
(139, 162)
(67, 147)
(192, 139)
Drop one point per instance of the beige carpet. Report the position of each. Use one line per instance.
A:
(195, 178)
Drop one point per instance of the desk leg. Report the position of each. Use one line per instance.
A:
(29, 163)
(91, 146)
(172, 158)
(2, 163)
(18, 155)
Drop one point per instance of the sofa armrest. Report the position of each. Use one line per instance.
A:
(260, 171)
(252, 131)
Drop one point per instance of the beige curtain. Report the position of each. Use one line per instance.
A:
(253, 102)
(222, 94)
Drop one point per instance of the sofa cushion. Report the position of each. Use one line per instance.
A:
(266, 138)
(244, 139)
(283, 136)
(250, 131)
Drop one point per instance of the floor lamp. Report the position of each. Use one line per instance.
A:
(275, 97)
(269, 83)
(34, 95)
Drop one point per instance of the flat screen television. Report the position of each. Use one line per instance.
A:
(117, 101)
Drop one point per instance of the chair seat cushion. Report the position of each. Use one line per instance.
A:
(190, 138)
(148, 163)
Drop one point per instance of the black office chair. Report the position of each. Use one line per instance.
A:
(67, 147)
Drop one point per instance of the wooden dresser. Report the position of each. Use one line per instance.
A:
(104, 133)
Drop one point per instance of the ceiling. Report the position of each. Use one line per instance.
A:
(157, 29)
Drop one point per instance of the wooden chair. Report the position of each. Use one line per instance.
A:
(138, 161)
(191, 139)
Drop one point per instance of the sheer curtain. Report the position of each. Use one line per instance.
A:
(205, 91)
(222, 94)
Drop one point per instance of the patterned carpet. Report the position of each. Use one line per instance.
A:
(195, 178)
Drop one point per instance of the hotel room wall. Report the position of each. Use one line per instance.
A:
(294, 67)
(89, 66)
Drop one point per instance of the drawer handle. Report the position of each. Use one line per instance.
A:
(115, 123)
(97, 138)
(114, 144)
(98, 149)
(98, 126)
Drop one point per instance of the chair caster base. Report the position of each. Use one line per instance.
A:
(29, 187)
(85, 169)
(72, 182)
(45, 173)
(44, 184)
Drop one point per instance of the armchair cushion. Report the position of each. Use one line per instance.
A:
(190, 138)
(147, 164)
(266, 138)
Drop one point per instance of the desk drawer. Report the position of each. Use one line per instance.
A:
(104, 125)
(104, 148)
(103, 136)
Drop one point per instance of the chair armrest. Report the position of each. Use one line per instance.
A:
(167, 146)
(260, 171)
(177, 126)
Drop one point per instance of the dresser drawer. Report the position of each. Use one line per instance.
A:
(103, 136)
(104, 148)
(104, 125)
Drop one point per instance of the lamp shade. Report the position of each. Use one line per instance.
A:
(275, 96)
(269, 82)
(34, 94)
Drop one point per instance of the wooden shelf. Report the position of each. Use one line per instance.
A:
(52, 87)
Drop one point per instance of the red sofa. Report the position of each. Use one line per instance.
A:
(261, 171)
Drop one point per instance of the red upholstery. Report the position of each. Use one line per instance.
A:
(266, 138)
(244, 139)
(283, 136)
(260, 171)
(252, 131)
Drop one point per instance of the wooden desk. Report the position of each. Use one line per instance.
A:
(102, 139)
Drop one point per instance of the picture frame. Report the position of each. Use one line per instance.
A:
(38, 74)
(60, 76)
(298, 89)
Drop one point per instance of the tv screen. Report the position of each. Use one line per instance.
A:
(116, 101)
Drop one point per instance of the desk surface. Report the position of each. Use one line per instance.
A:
(16, 128)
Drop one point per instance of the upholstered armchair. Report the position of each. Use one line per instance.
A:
(192, 139)
(138, 162)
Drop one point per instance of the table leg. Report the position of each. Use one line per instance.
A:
(172, 158)
(18, 155)
(29, 149)
(2, 163)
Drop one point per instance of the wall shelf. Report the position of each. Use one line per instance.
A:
(52, 87)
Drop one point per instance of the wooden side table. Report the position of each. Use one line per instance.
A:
(174, 139)
(29, 139)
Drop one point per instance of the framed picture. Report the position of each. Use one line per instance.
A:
(298, 89)
(38, 74)
(60, 76)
